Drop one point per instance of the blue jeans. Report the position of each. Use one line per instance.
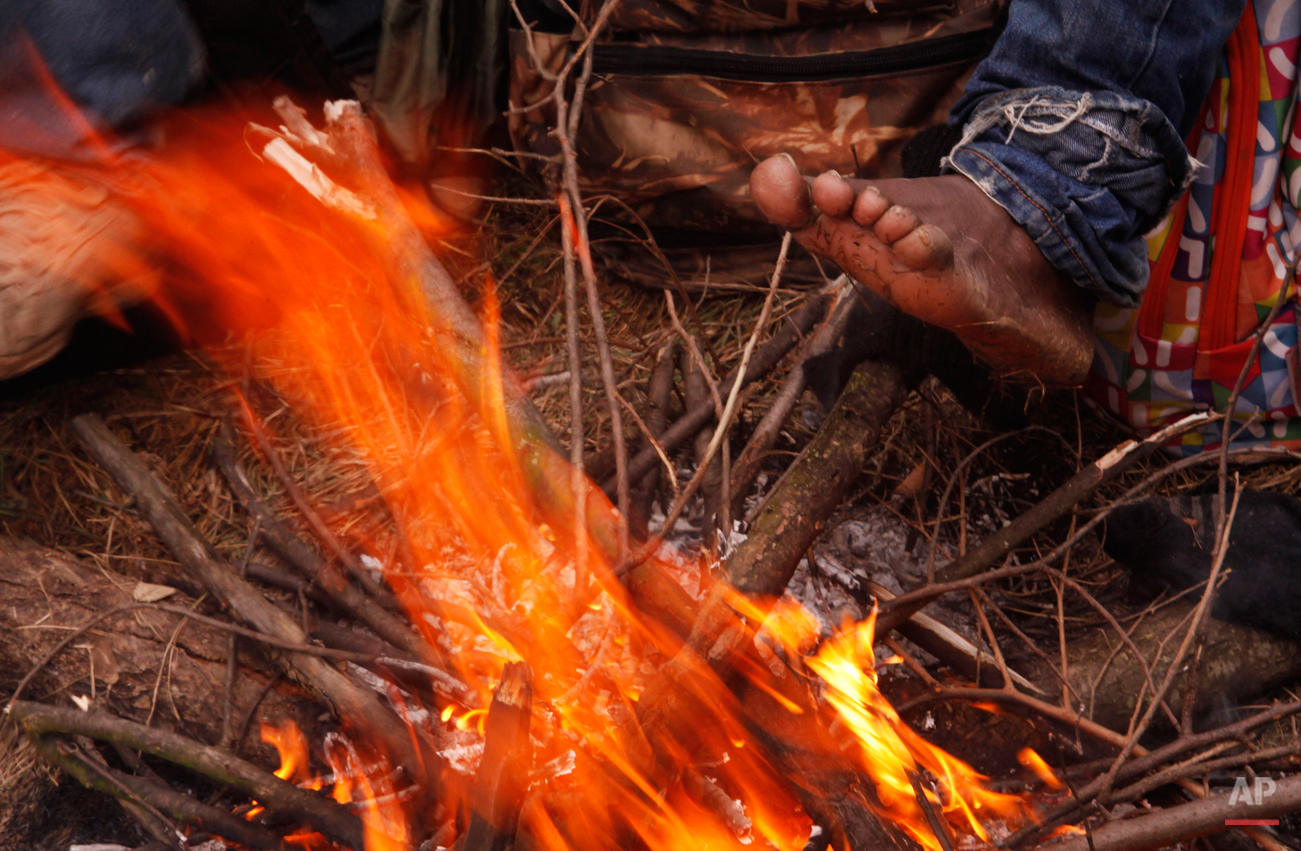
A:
(1075, 124)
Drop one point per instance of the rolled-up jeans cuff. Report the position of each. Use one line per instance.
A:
(1087, 174)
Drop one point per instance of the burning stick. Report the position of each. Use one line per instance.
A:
(504, 770)
(348, 147)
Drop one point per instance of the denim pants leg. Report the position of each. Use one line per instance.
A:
(1075, 124)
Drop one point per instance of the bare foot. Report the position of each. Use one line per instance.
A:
(940, 249)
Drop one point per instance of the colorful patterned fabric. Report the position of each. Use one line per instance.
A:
(1184, 347)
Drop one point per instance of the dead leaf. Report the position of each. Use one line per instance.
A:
(146, 592)
(911, 485)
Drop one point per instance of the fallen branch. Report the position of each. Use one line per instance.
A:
(1148, 762)
(1061, 501)
(747, 465)
(816, 483)
(321, 573)
(359, 574)
(658, 394)
(154, 797)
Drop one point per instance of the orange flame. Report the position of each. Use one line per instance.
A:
(370, 785)
(483, 573)
(1035, 763)
(291, 744)
(893, 755)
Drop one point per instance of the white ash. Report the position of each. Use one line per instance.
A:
(447, 589)
(465, 754)
(558, 767)
(873, 546)
(682, 563)
(373, 566)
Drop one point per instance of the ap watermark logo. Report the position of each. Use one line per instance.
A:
(1252, 792)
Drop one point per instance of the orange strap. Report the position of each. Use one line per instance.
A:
(1219, 312)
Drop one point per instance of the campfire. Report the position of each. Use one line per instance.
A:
(524, 670)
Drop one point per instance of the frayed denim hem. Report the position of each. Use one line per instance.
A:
(1085, 173)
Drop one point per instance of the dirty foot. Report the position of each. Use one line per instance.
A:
(940, 249)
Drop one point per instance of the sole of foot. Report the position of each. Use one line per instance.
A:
(940, 249)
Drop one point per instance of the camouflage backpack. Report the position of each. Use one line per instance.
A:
(687, 95)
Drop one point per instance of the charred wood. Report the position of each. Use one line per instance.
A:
(507, 757)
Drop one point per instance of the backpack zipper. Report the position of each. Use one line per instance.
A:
(664, 61)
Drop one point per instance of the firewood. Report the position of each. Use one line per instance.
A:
(47, 594)
(507, 756)
(747, 465)
(765, 358)
(158, 799)
(994, 548)
(316, 570)
(658, 394)
(816, 483)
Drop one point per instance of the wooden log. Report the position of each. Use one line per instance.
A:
(155, 796)
(39, 720)
(711, 487)
(125, 661)
(316, 569)
(817, 483)
(1078, 488)
(1238, 663)
(745, 469)
(765, 358)
(659, 393)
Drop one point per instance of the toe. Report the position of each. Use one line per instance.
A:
(832, 194)
(924, 247)
(896, 223)
(869, 205)
(781, 192)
